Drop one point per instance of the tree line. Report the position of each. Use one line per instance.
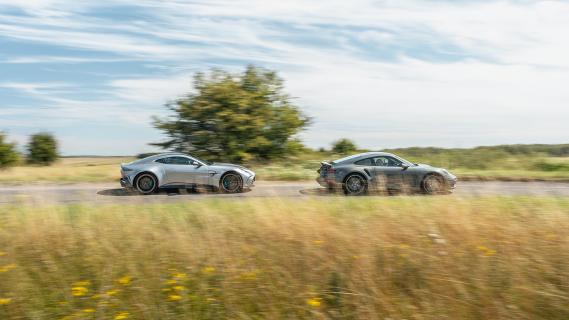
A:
(242, 117)
(40, 150)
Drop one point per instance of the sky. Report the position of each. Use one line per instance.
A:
(385, 74)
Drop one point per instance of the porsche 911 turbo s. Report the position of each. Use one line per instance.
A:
(356, 174)
(179, 170)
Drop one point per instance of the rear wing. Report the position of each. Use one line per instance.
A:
(323, 164)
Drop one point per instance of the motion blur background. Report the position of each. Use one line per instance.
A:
(476, 87)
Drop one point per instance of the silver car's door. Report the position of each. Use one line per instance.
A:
(179, 170)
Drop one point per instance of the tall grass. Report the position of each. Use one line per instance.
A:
(363, 258)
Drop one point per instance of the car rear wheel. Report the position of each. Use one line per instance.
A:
(231, 183)
(146, 183)
(355, 185)
(434, 184)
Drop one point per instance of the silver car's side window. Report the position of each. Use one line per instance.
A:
(176, 160)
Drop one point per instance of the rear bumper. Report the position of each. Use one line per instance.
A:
(328, 183)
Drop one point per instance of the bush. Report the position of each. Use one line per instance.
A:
(42, 149)
(8, 154)
(344, 146)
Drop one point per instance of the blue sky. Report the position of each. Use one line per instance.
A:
(383, 73)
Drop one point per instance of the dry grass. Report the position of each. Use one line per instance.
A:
(363, 258)
(67, 170)
(106, 169)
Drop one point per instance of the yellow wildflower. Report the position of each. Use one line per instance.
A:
(251, 275)
(2, 253)
(82, 283)
(112, 292)
(124, 280)
(7, 267)
(208, 270)
(486, 251)
(404, 246)
(171, 281)
(318, 242)
(179, 288)
(174, 297)
(122, 315)
(4, 301)
(313, 302)
(89, 310)
(180, 276)
(79, 291)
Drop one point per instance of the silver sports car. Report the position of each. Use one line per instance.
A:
(178, 170)
(384, 171)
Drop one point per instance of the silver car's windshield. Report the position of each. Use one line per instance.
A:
(202, 161)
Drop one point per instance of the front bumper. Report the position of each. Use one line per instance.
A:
(250, 182)
(125, 183)
(451, 182)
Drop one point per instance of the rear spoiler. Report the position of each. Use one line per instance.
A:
(323, 164)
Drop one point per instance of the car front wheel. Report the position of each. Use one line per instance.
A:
(231, 183)
(434, 184)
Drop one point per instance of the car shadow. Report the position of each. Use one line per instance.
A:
(323, 192)
(123, 192)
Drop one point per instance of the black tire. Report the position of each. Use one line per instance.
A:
(354, 185)
(146, 183)
(231, 182)
(434, 184)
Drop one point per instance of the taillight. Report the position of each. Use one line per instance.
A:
(331, 170)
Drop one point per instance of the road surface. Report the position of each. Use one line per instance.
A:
(112, 193)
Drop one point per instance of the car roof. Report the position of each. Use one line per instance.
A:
(160, 155)
(359, 156)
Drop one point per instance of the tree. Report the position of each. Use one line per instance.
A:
(8, 154)
(344, 146)
(42, 149)
(234, 117)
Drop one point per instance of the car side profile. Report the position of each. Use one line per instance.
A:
(179, 170)
(358, 173)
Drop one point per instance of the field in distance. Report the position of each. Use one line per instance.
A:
(510, 162)
(341, 258)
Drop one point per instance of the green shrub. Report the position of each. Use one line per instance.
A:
(344, 146)
(42, 149)
(8, 154)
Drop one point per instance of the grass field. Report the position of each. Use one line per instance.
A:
(363, 258)
(467, 165)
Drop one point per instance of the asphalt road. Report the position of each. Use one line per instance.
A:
(112, 193)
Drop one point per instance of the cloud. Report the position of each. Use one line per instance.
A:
(386, 73)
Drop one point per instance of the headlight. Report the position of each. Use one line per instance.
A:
(448, 173)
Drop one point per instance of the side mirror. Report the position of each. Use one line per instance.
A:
(404, 166)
